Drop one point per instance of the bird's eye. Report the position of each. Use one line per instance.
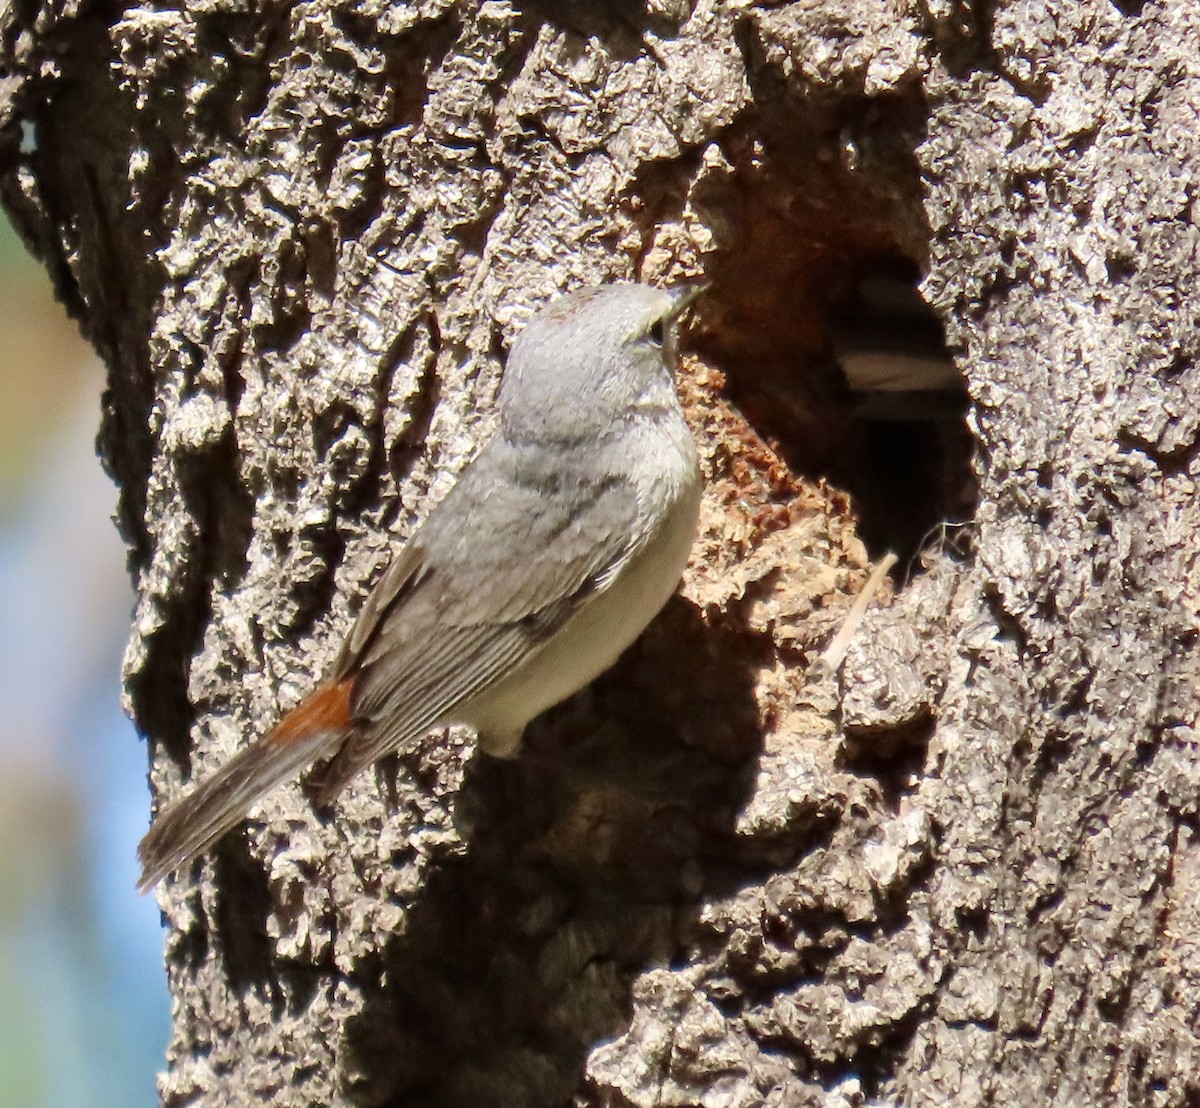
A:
(657, 332)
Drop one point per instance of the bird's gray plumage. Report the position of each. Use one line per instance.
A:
(560, 541)
(458, 612)
(541, 521)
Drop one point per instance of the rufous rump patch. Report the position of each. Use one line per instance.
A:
(326, 709)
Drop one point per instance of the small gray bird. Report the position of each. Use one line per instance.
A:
(562, 539)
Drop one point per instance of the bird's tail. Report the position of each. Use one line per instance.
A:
(192, 824)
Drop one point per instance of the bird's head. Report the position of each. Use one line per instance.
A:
(590, 358)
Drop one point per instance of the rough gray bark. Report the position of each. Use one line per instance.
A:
(967, 871)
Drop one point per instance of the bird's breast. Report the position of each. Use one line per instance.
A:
(661, 464)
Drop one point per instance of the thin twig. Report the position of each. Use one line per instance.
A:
(835, 652)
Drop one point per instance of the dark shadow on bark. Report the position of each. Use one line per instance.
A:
(815, 316)
(586, 858)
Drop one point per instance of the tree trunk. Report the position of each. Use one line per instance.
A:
(966, 870)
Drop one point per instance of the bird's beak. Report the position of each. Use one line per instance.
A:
(683, 296)
(681, 299)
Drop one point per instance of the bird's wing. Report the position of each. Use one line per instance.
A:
(396, 577)
(492, 575)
